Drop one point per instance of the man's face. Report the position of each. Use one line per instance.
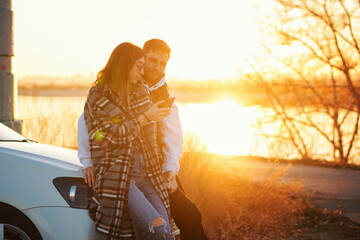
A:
(155, 65)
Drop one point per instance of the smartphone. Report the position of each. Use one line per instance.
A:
(168, 102)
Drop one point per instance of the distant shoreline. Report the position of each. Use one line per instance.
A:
(189, 96)
(53, 92)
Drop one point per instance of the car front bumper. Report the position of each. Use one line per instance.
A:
(59, 223)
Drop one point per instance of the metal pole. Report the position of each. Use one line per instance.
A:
(8, 81)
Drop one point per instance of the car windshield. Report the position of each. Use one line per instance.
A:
(7, 134)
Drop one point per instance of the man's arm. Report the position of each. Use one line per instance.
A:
(84, 154)
(172, 140)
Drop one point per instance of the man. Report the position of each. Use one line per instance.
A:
(184, 212)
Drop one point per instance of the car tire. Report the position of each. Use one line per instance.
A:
(14, 225)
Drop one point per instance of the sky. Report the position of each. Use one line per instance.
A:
(209, 39)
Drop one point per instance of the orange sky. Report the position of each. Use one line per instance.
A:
(209, 39)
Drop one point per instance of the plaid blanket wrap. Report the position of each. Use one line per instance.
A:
(114, 133)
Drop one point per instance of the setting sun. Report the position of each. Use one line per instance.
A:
(225, 127)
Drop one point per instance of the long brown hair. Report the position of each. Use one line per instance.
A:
(116, 71)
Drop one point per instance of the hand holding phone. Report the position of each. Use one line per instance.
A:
(157, 113)
(167, 103)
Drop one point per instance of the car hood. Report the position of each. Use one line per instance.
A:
(57, 156)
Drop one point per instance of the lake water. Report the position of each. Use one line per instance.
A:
(224, 126)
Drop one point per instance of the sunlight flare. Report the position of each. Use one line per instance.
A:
(225, 127)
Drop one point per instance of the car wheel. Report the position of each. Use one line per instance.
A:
(14, 225)
(11, 232)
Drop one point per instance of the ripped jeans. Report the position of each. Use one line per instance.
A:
(145, 205)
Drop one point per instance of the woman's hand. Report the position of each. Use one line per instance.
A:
(170, 181)
(171, 187)
(157, 114)
(89, 176)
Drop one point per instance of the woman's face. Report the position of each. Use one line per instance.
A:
(137, 70)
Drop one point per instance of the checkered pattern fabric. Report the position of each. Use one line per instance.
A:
(114, 132)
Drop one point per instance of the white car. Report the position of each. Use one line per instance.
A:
(42, 191)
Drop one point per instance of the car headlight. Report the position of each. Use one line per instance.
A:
(74, 190)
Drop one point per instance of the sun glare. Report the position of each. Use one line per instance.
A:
(225, 127)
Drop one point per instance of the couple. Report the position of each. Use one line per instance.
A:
(130, 146)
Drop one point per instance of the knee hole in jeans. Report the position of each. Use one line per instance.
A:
(157, 222)
(158, 226)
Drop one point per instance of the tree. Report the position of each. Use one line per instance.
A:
(322, 75)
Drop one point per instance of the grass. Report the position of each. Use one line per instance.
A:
(234, 203)
(325, 224)
(50, 120)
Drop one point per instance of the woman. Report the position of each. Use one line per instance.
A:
(121, 121)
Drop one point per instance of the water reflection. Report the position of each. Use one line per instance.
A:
(226, 127)
(231, 129)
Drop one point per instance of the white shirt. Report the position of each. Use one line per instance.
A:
(171, 132)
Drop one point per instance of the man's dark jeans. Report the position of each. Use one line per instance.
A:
(186, 215)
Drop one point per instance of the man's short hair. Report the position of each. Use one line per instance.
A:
(156, 45)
